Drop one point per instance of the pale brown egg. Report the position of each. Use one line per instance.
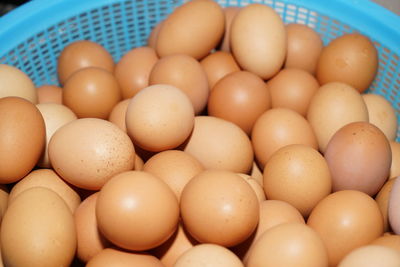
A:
(185, 73)
(22, 138)
(382, 198)
(91, 92)
(152, 40)
(333, 106)
(133, 70)
(49, 94)
(46, 178)
(15, 82)
(219, 207)
(371, 256)
(277, 128)
(289, 244)
(395, 166)
(82, 54)
(137, 211)
(208, 255)
(388, 240)
(258, 189)
(239, 97)
(4, 193)
(293, 89)
(257, 174)
(118, 113)
(38, 230)
(258, 40)
(186, 31)
(88, 152)
(393, 207)
(359, 158)
(304, 46)
(346, 220)
(159, 117)
(211, 143)
(229, 12)
(175, 168)
(138, 163)
(217, 65)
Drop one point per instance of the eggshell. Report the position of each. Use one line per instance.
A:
(359, 158)
(159, 117)
(351, 58)
(395, 166)
(258, 40)
(258, 189)
(186, 31)
(185, 73)
(38, 230)
(137, 211)
(4, 194)
(388, 240)
(15, 82)
(175, 168)
(219, 207)
(208, 255)
(229, 12)
(88, 152)
(289, 244)
(381, 114)
(22, 138)
(304, 46)
(394, 203)
(277, 128)
(257, 174)
(133, 70)
(49, 94)
(382, 198)
(118, 113)
(138, 163)
(333, 106)
(346, 220)
(240, 97)
(152, 40)
(372, 256)
(211, 143)
(81, 54)
(46, 178)
(119, 258)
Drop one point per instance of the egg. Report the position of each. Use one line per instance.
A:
(393, 207)
(395, 166)
(229, 12)
(22, 139)
(382, 198)
(133, 70)
(258, 40)
(152, 39)
(333, 106)
(388, 240)
(118, 113)
(4, 194)
(49, 94)
(371, 256)
(138, 163)
(258, 189)
(240, 97)
(346, 220)
(257, 174)
(15, 82)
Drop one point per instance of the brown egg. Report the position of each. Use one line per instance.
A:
(48, 179)
(211, 143)
(346, 220)
(4, 193)
(89, 239)
(388, 240)
(88, 152)
(219, 207)
(159, 117)
(138, 163)
(299, 175)
(395, 166)
(91, 92)
(49, 94)
(185, 31)
(174, 247)
(292, 89)
(359, 158)
(175, 168)
(289, 244)
(381, 114)
(382, 198)
(81, 54)
(133, 70)
(350, 58)
(217, 65)
(55, 116)
(15, 82)
(257, 174)
(277, 128)
(304, 46)
(22, 138)
(253, 25)
(38, 230)
(240, 97)
(333, 106)
(258, 189)
(119, 258)
(117, 114)
(393, 207)
(152, 40)
(137, 211)
(229, 12)
(208, 255)
(372, 256)
(185, 73)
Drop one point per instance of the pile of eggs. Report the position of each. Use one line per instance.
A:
(234, 140)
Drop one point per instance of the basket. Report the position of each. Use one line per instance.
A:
(32, 36)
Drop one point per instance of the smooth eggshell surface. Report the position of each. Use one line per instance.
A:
(49, 94)
(382, 198)
(395, 167)
(14, 82)
(394, 207)
(372, 256)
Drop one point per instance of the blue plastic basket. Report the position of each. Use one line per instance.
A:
(32, 36)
